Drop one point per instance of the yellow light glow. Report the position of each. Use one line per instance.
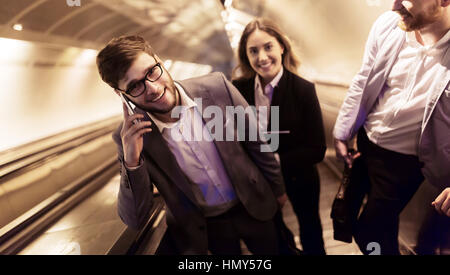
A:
(86, 57)
(14, 50)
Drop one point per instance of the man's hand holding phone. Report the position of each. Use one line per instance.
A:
(132, 134)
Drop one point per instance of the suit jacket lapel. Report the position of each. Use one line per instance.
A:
(248, 92)
(224, 148)
(277, 98)
(156, 148)
(206, 101)
(282, 86)
(437, 93)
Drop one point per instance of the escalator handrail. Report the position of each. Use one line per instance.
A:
(35, 216)
(131, 240)
(22, 158)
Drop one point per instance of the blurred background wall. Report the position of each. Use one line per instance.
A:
(49, 82)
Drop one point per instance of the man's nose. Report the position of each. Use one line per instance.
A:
(151, 87)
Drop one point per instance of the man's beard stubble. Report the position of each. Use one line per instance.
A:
(175, 93)
(420, 20)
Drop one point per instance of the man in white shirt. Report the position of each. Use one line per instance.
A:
(398, 105)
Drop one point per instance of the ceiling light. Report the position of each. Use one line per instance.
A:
(18, 27)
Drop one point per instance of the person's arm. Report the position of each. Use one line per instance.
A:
(350, 107)
(265, 161)
(135, 196)
(442, 202)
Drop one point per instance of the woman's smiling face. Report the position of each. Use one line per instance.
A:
(264, 54)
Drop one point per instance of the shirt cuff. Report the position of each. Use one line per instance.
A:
(132, 168)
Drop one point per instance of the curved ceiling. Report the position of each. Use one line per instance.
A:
(328, 35)
(188, 30)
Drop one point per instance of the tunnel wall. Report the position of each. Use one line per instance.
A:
(46, 89)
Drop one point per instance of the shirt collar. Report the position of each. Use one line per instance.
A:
(412, 41)
(272, 83)
(185, 101)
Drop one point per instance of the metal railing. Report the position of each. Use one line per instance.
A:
(21, 231)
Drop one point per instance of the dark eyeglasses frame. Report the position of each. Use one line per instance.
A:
(143, 80)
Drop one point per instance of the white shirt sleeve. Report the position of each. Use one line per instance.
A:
(350, 107)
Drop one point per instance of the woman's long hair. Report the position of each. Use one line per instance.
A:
(289, 59)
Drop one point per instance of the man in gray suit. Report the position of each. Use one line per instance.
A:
(217, 192)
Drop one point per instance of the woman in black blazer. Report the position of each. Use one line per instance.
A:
(267, 68)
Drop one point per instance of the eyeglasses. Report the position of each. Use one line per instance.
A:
(139, 86)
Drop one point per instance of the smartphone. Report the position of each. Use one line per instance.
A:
(130, 109)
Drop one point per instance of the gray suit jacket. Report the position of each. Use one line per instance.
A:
(256, 176)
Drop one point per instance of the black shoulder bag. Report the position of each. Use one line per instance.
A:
(348, 201)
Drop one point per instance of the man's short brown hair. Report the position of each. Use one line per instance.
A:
(114, 60)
